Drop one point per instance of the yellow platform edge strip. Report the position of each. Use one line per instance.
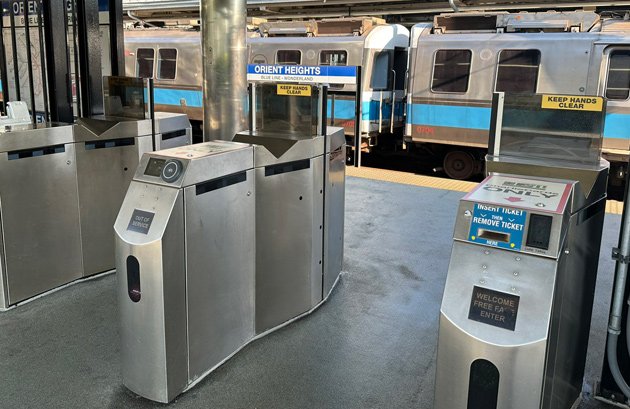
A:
(405, 178)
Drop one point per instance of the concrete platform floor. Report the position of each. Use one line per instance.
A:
(371, 346)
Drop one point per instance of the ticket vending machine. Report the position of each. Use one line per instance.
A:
(185, 265)
(300, 192)
(516, 309)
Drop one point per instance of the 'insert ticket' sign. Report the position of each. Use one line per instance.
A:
(497, 226)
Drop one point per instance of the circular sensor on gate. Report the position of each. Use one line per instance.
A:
(171, 171)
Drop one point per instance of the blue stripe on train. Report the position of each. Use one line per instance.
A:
(344, 109)
(449, 116)
(616, 125)
(170, 96)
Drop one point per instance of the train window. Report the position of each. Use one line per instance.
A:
(333, 57)
(451, 71)
(618, 86)
(518, 71)
(380, 71)
(289, 57)
(144, 62)
(167, 63)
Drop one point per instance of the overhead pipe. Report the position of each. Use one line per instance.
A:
(453, 6)
(224, 56)
(140, 21)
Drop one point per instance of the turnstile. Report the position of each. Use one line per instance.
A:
(108, 151)
(516, 310)
(185, 264)
(223, 241)
(300, 185)
(41, 238)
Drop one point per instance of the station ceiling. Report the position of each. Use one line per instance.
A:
(400, 10)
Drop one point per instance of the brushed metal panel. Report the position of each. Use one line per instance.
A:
(169, 122)
(153, 330)
(182, 140)
(573, 305)
(109, 127)
(20, 137)
(4, 302)
(104, 176)
(220, 271)
(520, 354)
(227, 158)
(518, 389)
(303, 146)
(40, 222)
(318, 166)
(334, 217)
(285, 237)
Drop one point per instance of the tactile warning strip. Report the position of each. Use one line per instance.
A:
(405, 178)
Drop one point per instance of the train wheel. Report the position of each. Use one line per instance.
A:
(459, 165)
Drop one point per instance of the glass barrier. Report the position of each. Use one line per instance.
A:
(548, 128)
(287, 108)
(126, 97)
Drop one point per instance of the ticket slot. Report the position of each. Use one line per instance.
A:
(493, 235)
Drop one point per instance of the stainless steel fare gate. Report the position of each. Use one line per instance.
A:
(516, 310)
(220, 242)
(185, 262)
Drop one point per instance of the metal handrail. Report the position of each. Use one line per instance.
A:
(391, 122)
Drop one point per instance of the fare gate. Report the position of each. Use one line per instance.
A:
(524, 259)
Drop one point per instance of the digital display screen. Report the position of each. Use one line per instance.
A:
(539, 231)
(154, 167)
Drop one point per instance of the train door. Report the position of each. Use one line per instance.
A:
(399, 71)
(378, 102)
(615, 87)
(341, 99)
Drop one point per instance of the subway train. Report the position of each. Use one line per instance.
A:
(428, 90)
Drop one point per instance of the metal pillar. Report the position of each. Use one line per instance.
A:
(116, 37)
(58, 59)
(3, 64)
(91, 77)
(225, 102)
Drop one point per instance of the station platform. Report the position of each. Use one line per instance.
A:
(372, 345)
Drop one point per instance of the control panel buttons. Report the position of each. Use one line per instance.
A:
(172, 170)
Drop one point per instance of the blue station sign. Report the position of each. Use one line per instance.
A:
(302, 73)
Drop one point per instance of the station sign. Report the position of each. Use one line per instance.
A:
(17, 6)
(302, 74)
(573, 103)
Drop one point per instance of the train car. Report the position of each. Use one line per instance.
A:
(172, 56)
(170, 53)
(380, 49)
(457, 63)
